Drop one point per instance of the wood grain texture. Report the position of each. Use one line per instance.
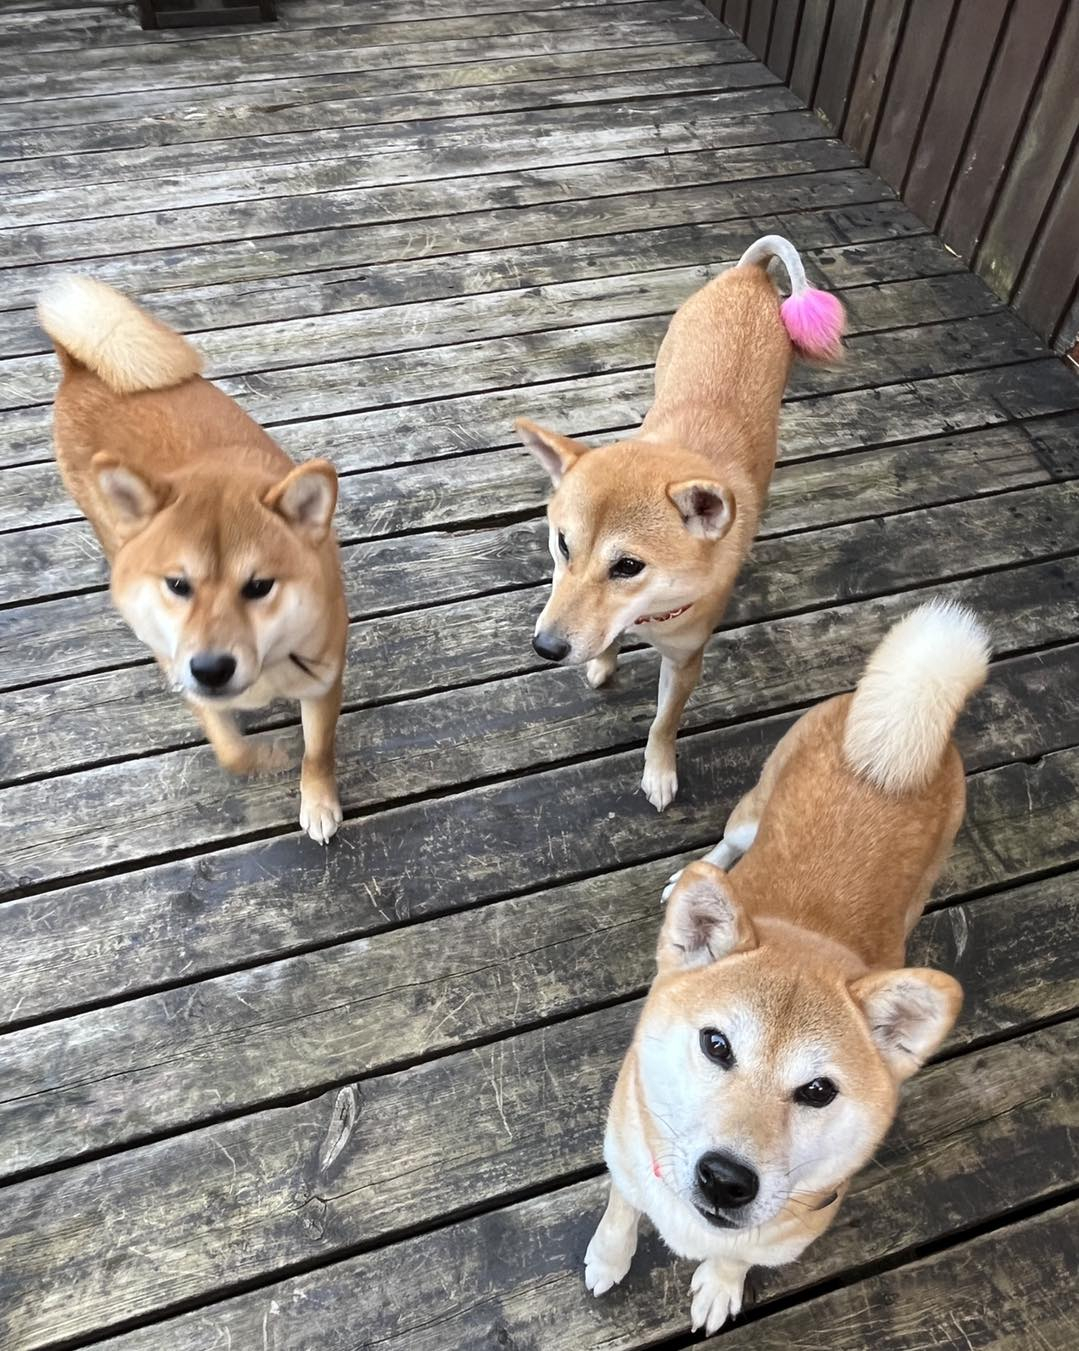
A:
(971, 43)
(63, 637)
(268, 54)
(182, 801)
(253, 1093)
(999, 123)
(128, 712)
(319, 1177)
(95, 123)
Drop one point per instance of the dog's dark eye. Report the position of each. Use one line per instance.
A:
(257, 588)
(717, 1048)
(627, 567)
(179, 586)
(562, 545)
(817, 1093)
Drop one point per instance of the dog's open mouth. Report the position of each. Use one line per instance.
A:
(717, 1221)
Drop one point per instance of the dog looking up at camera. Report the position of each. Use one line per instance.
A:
(648, 533)
(222, 556)
(766, 1065)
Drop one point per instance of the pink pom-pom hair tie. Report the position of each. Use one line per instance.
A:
(815, 320)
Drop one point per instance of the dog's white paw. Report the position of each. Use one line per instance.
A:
(672, 882)
(716, 1295)
(605, 1264)
(660, 781)
(600, 669)
(320, 815)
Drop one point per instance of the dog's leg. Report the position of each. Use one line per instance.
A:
(320, 808)
(600, 669)
(676, 683)
(716, 1291)
(613, 1244)
(235, 752)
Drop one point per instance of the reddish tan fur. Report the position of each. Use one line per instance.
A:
(720, 376)
(180, 482)
(796, 954)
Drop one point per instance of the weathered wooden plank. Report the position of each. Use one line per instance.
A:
(262, 901)
(481, 207)
(1001, 112)
(838, 61)
(261, 54)
(524, 371)
(812, 34)
(910, 84)
(299, 1184)
(516, 360)
(639, 73)
(1038, 297)
(168, 115)
(87, 27)
(51, 829)
(966, 60)
(109, 1077)
(871, 79)
(1007, 1289)
(67, 636)
(444, 150)
(411, 281)
(781, 45)
(540, 1245)
(573, 307)
(101, 717)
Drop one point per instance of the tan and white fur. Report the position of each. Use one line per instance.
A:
(223, 560)
(767, 1062)
(648, 533)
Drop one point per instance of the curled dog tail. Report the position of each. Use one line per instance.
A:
(915, 684)
(94, 326)
(814, 320)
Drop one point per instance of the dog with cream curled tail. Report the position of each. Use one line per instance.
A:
(768, 1058)
(221, 550)
(648, 533)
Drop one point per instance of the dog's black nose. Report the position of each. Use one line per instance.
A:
(212, 670)
(549, 647)
(728, 1184)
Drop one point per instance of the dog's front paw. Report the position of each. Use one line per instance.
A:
(716, 1294)
(320, 813)
(605, 1264)
(660, 780)
(672, 882)
(600, 669)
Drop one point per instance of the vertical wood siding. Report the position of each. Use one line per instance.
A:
(968, 108)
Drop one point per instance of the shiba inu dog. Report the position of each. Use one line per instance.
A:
(648, 533)
(766, 1065)
(222, 556)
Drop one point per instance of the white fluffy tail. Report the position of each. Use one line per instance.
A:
(915, 684)
(123, 345)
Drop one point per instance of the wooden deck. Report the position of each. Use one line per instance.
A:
(254, 1094)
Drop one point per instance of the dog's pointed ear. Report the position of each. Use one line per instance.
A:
(131, 499)
(557, 453)
(306, 498)
(706, 508)
(909, 1012)
(704, 921)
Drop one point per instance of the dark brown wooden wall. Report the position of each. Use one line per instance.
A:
(969, 108)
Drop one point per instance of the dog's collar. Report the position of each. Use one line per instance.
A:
(662, 619)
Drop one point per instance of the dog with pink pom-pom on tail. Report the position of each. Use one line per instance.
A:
(648, 532)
